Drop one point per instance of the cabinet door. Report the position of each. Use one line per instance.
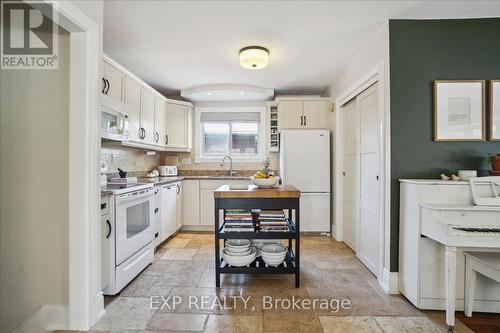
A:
(190, 128)
(207, 188)
(315, 114)
(168, 211)
(159, 134)
(148, 116)
(133, 103)
(191, 202)
(115, 80)
(207, 206)
(290, 115)
(178, 207)
(105, 250)
(177, 125)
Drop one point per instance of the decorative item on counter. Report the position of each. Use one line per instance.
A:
(495, 164)
(153, 174)
(264, 178)
(455, 178)
(123, 174)
(444, 177)
(467, 174)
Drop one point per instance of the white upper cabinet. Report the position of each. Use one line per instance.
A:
(315, 114)
(148, 116)
(160, 112)
(132, 98)
(151, 124)
(296, 113)
(112, 82)
(179, 126)
(290, 115)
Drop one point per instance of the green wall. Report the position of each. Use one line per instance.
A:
(422, 51)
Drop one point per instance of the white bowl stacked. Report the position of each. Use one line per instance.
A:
(273, 254)
(238, 252)
(259, 243)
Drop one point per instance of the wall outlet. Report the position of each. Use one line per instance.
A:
(186, 160)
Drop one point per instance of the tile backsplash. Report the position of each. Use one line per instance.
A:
(216, 166)
(127, 158)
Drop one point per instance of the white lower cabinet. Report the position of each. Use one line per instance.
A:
(207, 188)
(191, 202)
(168, 211)
(157, 214)
(178, 207)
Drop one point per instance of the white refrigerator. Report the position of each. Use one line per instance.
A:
(305, 163)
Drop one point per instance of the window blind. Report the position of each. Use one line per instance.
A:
(230, 116)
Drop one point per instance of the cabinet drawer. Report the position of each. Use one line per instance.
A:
(104, 205)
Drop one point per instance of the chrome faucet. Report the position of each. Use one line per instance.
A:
(231, 172)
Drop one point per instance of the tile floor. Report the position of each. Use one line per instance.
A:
(184, 270)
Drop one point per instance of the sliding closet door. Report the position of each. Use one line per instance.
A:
(350, 172)
(369, 228)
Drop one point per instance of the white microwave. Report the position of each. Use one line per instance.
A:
(114, 124)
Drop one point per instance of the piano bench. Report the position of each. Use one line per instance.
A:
(485, 263)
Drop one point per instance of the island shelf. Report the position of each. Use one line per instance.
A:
(282, 197)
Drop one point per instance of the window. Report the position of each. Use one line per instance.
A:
(237, 134)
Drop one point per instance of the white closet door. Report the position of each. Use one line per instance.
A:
(350, 173)
(369, 235)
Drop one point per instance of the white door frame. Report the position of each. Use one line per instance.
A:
(84, 304)
(377, 74)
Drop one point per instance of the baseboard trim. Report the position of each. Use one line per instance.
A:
(389, 282)
(99, 306)
(203, 228)
(48, 318)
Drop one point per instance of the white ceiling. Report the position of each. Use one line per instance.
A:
(175, 45)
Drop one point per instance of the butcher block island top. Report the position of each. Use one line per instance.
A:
(254, 192)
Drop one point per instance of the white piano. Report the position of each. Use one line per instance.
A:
(459, 226)
(438, 221)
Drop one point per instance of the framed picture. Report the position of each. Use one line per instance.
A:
(495, 110)
(459, 110)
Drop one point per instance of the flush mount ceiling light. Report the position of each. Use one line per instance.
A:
(254, 57)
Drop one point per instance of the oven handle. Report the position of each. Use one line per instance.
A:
(109, 230)
(132, 197)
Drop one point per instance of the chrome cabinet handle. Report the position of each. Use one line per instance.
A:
(166, 139)
(178, 189)
(103, 86)
(305, 120)
(109, 229)
(157, 137)
(301, 120)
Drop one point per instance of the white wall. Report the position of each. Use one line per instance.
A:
(365, 61)
(34, 190)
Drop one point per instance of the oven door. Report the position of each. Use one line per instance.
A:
(134, 223)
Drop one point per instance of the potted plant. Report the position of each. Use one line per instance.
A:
(495, 163)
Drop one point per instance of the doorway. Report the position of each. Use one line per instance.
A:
(361, 177)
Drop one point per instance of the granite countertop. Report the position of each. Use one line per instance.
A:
(188, 174)
(218, 177)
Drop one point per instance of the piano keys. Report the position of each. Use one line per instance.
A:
(459, 226)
